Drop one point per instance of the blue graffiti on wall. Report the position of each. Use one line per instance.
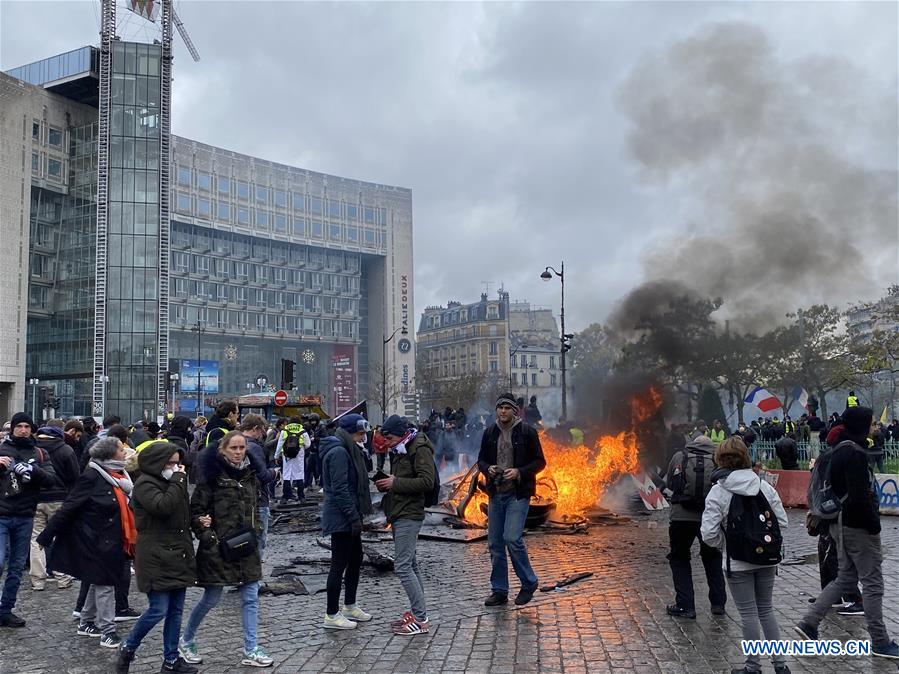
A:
(887, 491)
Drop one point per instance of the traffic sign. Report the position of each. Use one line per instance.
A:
(280, 398)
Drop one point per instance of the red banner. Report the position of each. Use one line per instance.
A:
(343, 377)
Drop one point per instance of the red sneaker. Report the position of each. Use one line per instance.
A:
(413, 627)
(407, 616)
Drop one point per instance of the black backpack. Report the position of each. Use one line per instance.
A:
(752, 531)
(692, 480)
(291, 447)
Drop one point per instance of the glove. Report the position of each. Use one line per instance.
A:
(43, 540)
(23, 469)
(356, 527)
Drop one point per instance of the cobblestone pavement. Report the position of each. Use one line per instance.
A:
(612, 622)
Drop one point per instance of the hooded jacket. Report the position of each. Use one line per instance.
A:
(703, 446)
(18, 498)
(65, 465)
(717, 504)
(164, 559)
(851, 476)
(231, 496)
(216, 429)
(340, 481)
(414, 475)
(362, 489)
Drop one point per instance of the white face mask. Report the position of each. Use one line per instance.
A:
(167, 473)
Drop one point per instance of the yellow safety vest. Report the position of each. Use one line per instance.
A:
(852, 401)
(716, 436)
(577, 436)
(142, 446)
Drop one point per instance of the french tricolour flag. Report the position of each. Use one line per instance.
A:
(801, 396)
(763, 399)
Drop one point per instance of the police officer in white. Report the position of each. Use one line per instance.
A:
(291, 450)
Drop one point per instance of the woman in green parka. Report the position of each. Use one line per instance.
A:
(164, 558)
(223, 508)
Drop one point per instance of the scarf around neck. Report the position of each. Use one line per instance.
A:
(410, 435)
(114, 473)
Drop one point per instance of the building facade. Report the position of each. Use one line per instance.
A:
(217, 274)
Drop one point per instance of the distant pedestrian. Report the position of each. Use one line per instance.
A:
(751, 584)
(510, 458)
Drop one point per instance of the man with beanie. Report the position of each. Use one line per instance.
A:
(347, 425)
(24, 470)
(65, 463)
(857, 533)
(412, 477)
(510, 458)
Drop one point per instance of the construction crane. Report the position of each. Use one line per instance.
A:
(182, 31)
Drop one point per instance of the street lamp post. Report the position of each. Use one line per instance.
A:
(175, 377)
(34, 383)
(547, 275)
(384, 372)
(199, 329)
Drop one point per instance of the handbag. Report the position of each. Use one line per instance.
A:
(238, 545)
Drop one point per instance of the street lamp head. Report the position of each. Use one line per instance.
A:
(546, 275)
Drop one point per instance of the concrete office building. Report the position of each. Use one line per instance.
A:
(160, 255)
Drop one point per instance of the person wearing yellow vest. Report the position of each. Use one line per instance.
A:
(577, 436)
(851, 400)
(789, 425)
(717, 433)
(292, 444)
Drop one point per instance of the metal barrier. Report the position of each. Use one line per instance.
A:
(764, 451)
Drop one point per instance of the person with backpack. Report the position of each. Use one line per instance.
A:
(744, 515)
(510, 458)
(848, 490)
(342, 521)
(788, 452)
(292, 445)
(689, 481)
(413, 476)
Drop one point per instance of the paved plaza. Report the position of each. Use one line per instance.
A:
(612, 622)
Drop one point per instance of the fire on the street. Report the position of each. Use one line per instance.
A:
(575, 477)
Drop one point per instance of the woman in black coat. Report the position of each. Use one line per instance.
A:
(93, 535)
(164, 561)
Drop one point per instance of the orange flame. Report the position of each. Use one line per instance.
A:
(576, 476)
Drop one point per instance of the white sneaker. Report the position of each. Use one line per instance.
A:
(256, 658)
(188, 651)
(338, 622)
(356, 614)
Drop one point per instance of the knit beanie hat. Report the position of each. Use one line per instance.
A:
(506, 399)
(395, 425)
(857, 421)
(22, 418)
(51, 431)
(352, 423)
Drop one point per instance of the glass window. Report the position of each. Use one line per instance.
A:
(224, 212)
(204, 208)
(552, 362)
(204, 181)
(243, 190)
(493, 331)
(352, 234)
(534, 379)
(552, 380)
(36, 130)
(280, 198)
(369, 215)
(334, 232)
(202, 263)
(184, 176)
(280, 223)
(54, 168)
(243, 216)
(299, 226)
(183, 202)
(369, 237)
(224, 185)
(334, 208)
(54, 137)
(262, 218)
(241, 270)
(493, 367)
(35, 162)
(352, 212)
(298, 201)
(261, 194)
(317, 228)
(315, 205)
(181, 262)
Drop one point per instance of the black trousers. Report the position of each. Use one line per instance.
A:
(346, 562)
(681, 536)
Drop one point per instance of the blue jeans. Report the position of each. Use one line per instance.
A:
(168, 605)
(264, 516)
(212, 595)
(15, 542)
(505, 526)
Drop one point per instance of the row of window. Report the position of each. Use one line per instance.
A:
(257, 297)
(263, 195)
(54, 136)
(185, 263)
(264, 322)
(553, 381)
(49, 168)
(521, 360)
(459, 316)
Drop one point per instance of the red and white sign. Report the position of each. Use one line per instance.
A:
(280, 398)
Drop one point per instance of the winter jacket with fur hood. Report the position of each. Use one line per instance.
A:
(717, 504)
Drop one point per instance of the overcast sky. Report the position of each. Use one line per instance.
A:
(521, 128)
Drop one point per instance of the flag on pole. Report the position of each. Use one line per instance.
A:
(801, 396)
(763, 399)
(883, 417)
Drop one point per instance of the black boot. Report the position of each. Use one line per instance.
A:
(679, 612)
(496, 599)
(123, 662)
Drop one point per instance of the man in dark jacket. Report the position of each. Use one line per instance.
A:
(532, 413)
(412, 476)
(221, 423)
(859, 532)
(347, 427)
(24, 470)
(65, 464)
(510, 458)
(253, 429)
(787, 452)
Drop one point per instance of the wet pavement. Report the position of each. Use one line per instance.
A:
(614, 621)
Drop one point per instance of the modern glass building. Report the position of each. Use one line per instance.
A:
(216, 274)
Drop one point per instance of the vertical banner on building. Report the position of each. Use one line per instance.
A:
(343, 378)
